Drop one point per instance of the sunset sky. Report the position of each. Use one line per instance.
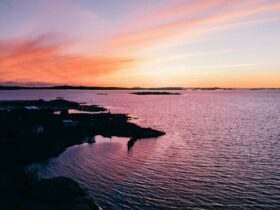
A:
(148, 43)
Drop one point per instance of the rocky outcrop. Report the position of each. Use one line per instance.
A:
(155, 93)
(32, 131)
(59, 193)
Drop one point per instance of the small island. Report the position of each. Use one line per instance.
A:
(211, 88)
(155, 93)
(36, 130)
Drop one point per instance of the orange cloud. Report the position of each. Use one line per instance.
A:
(42, 60)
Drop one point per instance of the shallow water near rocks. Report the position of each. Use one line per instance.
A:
(221, 150)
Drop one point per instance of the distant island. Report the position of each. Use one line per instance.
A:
(264, 88)
(155, 93)
(69, 87)
(212, 88)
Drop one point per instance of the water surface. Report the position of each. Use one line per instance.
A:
(221, 151)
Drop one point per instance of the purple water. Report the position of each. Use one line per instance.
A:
(221, 151)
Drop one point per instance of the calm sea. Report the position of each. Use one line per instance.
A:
(221, 151)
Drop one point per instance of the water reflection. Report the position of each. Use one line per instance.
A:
(131, 143)
(221, 151)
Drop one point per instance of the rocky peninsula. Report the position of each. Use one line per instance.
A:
(34, 131)
(155, 93)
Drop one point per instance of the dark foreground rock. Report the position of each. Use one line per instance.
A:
(33, 131)
(155, 93)
(58, 193)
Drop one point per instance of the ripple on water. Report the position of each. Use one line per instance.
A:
(221, 151)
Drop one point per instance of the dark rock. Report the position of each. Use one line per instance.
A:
(59, 193)
(56, 190)
(33, 135)
(155, 93)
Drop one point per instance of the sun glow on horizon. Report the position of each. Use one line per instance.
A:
(128, 43)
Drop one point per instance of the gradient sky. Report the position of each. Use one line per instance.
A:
(149, 43)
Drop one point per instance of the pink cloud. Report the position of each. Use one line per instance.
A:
(41, 59)
(173, 23)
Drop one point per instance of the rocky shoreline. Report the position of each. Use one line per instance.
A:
(33, 131)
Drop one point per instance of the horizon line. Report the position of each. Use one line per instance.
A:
(82, 87)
